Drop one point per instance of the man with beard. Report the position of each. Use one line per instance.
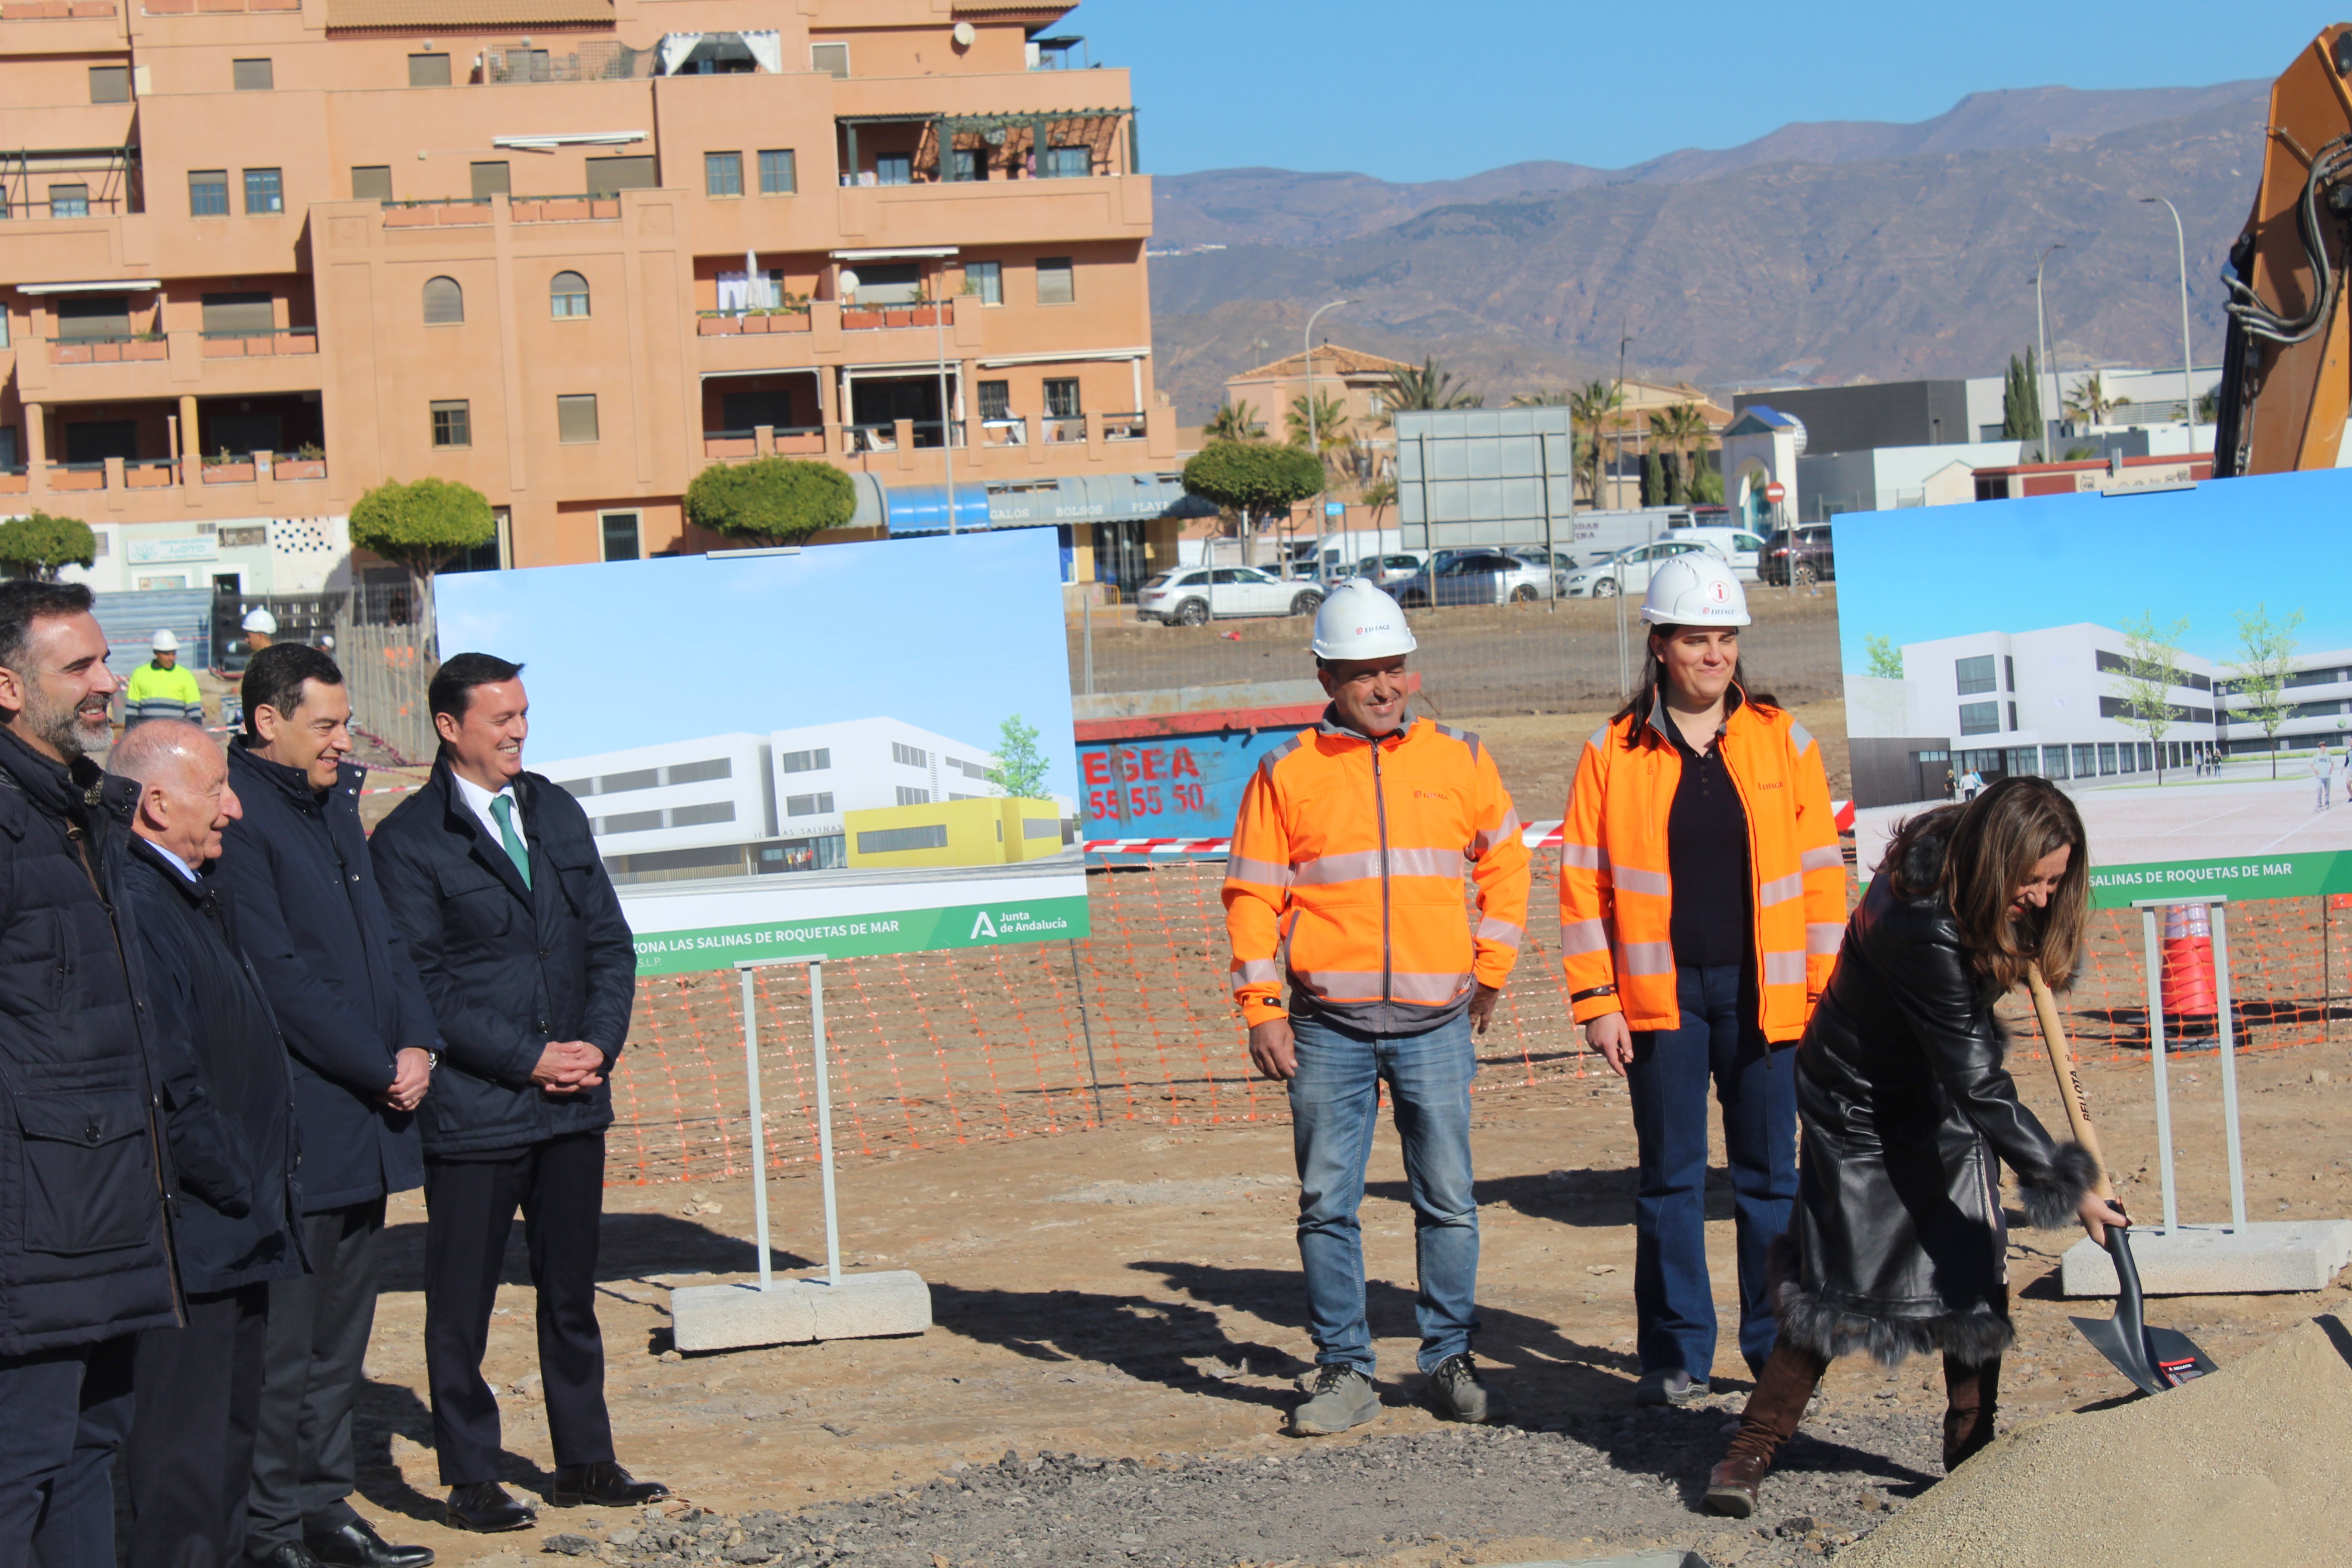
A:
(86, 1263)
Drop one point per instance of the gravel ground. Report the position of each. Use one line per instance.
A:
(1454, 1496)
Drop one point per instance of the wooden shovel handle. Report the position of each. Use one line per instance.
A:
(2070, 1082)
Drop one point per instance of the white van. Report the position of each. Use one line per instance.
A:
(1742, 548)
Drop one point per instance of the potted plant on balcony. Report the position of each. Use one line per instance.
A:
(308, 462)
(854, 317)
(716, 323)
(222, 468)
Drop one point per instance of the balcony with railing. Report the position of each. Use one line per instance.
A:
(259, 343)
(962, 149)
(109, 348)
(753, 321)
(774, 440)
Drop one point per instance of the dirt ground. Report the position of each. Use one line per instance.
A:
(1133, 1293)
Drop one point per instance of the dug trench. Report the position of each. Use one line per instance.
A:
(1118, 1323)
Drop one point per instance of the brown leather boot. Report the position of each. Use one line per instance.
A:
(1971, 1397)
(1782, 1388)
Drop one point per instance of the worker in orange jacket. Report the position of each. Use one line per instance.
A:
(1702, 895)
(1347, 865)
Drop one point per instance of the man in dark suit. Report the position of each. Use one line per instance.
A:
(492, 877)
(228, 1101)
(85, 1257)
(359, 1035)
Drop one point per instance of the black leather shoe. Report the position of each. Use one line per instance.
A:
(357, 1545)
(287, 1554)
(485, 1506)
(606, 1485)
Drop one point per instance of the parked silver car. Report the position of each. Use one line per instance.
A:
(1475, 577)
(1385, 570)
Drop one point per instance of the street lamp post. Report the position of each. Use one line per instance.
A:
(2041, 332)
(2187, 388)
(1314, 442)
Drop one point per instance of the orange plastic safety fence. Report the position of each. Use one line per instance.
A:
(933, 1050)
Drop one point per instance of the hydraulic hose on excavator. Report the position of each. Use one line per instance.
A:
(2287, 370)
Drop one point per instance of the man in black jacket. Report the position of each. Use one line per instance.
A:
(85, 1256)
(228, 1104)
(491, 874)
(359, 1035)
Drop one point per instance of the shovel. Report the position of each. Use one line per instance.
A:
(2153, 1359)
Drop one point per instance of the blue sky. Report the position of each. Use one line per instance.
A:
(950, 635)
(1422, 93)
(2019, 565)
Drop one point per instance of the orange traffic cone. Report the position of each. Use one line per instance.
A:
(2189, 965)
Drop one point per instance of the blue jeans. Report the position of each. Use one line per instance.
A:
(1673, 1303)
(1334, 1106)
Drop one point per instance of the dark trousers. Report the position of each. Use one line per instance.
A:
(63, 1414)
(470, 1206)
(191, 1456)
(1718, 1041)
(304, 1466)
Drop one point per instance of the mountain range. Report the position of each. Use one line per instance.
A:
(1818, 254)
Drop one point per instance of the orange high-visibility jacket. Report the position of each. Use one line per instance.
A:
(1616, 895)
(1347, 861)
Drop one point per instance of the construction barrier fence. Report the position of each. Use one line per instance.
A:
(1136, 1024)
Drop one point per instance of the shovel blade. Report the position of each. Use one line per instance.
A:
(2174, 1358)
(2126, 1351)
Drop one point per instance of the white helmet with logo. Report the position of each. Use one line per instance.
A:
(1358, 621)
(164, 641)
(1697, 588)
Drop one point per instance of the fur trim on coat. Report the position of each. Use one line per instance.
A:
(2050, 1204)
(1970, 1338)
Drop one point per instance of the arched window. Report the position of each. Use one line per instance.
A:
(568, 295)
(445, 302)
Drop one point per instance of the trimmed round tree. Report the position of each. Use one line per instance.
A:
(770, 500)
(1253, 480)
(38, 544)
(423, 525)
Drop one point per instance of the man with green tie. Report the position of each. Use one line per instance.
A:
(493, 880)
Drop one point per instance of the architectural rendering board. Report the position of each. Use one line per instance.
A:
(806, 751)
(2117, 642)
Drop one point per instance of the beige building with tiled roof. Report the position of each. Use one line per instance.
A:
(1360, 379)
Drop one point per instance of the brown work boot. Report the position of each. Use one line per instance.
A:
(1971, 1397)
(1782, 1388)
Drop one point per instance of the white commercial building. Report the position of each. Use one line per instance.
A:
(2318, 696)
(2049, 702)
(729, 806)
(253, 557)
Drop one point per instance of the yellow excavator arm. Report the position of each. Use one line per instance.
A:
(2286, 375)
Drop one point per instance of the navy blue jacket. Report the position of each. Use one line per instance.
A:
(508, 968)
(85, 1252)
(229, 1095)
(347, 998)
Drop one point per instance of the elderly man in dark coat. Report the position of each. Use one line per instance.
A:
(229, 1108)
(492, 875)
(85, 1256)
(360, 1038)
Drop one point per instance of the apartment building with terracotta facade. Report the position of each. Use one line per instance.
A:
(261, 255)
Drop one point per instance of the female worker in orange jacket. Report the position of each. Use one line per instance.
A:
(1701, 894)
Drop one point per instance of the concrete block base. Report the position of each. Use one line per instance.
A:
(795, 1311)
(2294, 1255)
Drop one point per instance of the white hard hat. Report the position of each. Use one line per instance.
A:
(1358, 621)
(262, 621)
(165, 642)
(1696, 588)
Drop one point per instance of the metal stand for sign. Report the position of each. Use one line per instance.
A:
(2239, 1257)
(773, 1312)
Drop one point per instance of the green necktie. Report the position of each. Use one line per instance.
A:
(502, 808)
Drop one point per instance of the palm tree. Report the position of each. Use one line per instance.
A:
(1678, 429)
(1588, 407)
(1428, 386)
(1331, 433)
(2089, 401)
(1380, 495)
(1233, 422)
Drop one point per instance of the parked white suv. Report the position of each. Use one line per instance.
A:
(1193, 595)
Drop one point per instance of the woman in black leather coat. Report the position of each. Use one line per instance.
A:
(1898, 1247)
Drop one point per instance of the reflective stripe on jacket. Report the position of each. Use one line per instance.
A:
(1347, 864)
(1616, 895)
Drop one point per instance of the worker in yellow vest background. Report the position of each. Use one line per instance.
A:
(161, 688)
